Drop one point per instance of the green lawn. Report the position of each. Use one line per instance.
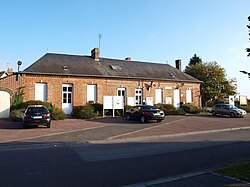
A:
(239, 171)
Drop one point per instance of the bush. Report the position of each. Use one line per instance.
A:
(17, 115)
(189, 108)
(17, 99)
(167, 108)
(57, 114)
(84, 112)
(98, 108)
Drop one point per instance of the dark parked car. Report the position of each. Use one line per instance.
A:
(227, 109)
(36, 115)
(144, 113)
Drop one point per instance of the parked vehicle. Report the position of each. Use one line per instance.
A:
(227, 109)
(145, 113)
(36, 115)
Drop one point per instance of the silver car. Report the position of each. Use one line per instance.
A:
(227, 109)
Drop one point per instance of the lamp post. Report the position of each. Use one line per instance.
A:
(19, 63)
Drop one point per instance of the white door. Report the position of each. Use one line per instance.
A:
(4, 104)
(189, 96)
(158, 96)
(91, 93)
(41, 92)
(67, 106)
(138, 96)
(122, 92)
(177, 98)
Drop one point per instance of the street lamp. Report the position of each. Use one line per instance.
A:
(19, 63)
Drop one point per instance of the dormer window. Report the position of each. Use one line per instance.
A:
(65, 67)
(115, 67)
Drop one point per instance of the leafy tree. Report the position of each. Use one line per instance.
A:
(195, 60)
(214, 83)
(248, 26)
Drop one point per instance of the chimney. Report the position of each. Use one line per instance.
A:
(9, 71)
(128, 58)
(178, 64)
(95, 54)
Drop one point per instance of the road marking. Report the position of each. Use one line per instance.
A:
(167, 179)
(113, 137)
(134, 139)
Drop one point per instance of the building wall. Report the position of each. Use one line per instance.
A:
(105, 87)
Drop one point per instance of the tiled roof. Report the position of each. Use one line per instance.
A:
(76, 65)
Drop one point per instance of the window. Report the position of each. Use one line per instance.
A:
(138, 96)
(158, 96)
(41, 92)
(189, 96)
(91, 93)
(122, 92)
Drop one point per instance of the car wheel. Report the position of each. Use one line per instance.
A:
(48, 125)
(143, 119)
(214, 113)
(232, 115)
(128, 117)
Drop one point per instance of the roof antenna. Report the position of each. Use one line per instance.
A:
(100, 37)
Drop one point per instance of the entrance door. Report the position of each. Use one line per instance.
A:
(4, 104)
(122, 92)
(138, 96)
(177, 98)
(67, 90)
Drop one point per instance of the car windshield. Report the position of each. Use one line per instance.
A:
(148, 107)
(37, 110)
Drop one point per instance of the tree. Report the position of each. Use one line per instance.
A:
(195, 60)
(248, 26)
(214, 83)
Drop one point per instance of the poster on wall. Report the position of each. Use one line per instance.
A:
(243, 100)
(131, 101)
(149, 101)
(169, 100)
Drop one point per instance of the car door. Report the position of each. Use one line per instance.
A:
(225, 109)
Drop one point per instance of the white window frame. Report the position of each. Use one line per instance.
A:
(138, 96)
(189, 96)
(158, 96)
(92, 93)
(41, 91)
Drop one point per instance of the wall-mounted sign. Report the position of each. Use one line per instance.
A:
(113, 102)
(243, 100)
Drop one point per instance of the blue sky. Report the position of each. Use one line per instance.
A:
(146, 30)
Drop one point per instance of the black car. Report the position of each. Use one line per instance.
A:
(145, 113)
(36, 115)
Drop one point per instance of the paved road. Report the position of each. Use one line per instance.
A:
(121, 164)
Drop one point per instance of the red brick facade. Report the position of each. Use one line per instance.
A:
(105, 87)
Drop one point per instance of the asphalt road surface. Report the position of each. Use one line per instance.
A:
(121, 164)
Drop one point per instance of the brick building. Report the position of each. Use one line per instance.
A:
(72, 80)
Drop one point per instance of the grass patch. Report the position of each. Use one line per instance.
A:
(239, 171)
